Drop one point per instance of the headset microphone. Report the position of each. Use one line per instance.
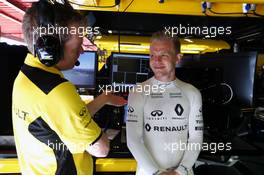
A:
(77, 63)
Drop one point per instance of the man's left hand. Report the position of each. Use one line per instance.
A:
(115, 100)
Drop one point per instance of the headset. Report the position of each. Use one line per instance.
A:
(48, 47)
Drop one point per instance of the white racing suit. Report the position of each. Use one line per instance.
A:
(165, 127)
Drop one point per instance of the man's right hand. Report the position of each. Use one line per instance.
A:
(100, 148)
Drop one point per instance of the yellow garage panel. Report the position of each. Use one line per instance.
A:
(179, 7)
(116, 165)
(11, 165)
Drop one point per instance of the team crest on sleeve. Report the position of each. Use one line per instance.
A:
(83, 111)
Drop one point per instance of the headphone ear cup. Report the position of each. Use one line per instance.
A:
(48, 50)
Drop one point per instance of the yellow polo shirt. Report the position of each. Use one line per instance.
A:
(52, 126)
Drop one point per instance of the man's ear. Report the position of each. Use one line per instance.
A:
(179, 57)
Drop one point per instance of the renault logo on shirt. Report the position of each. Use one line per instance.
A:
(147, 127)
(179, 109)
(169, 128)
(156, 113)
(166, 128)
(130, 109)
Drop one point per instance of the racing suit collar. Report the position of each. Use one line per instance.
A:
(165, 84)
(34, 62)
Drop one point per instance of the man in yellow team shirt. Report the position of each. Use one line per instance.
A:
(53, 128)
